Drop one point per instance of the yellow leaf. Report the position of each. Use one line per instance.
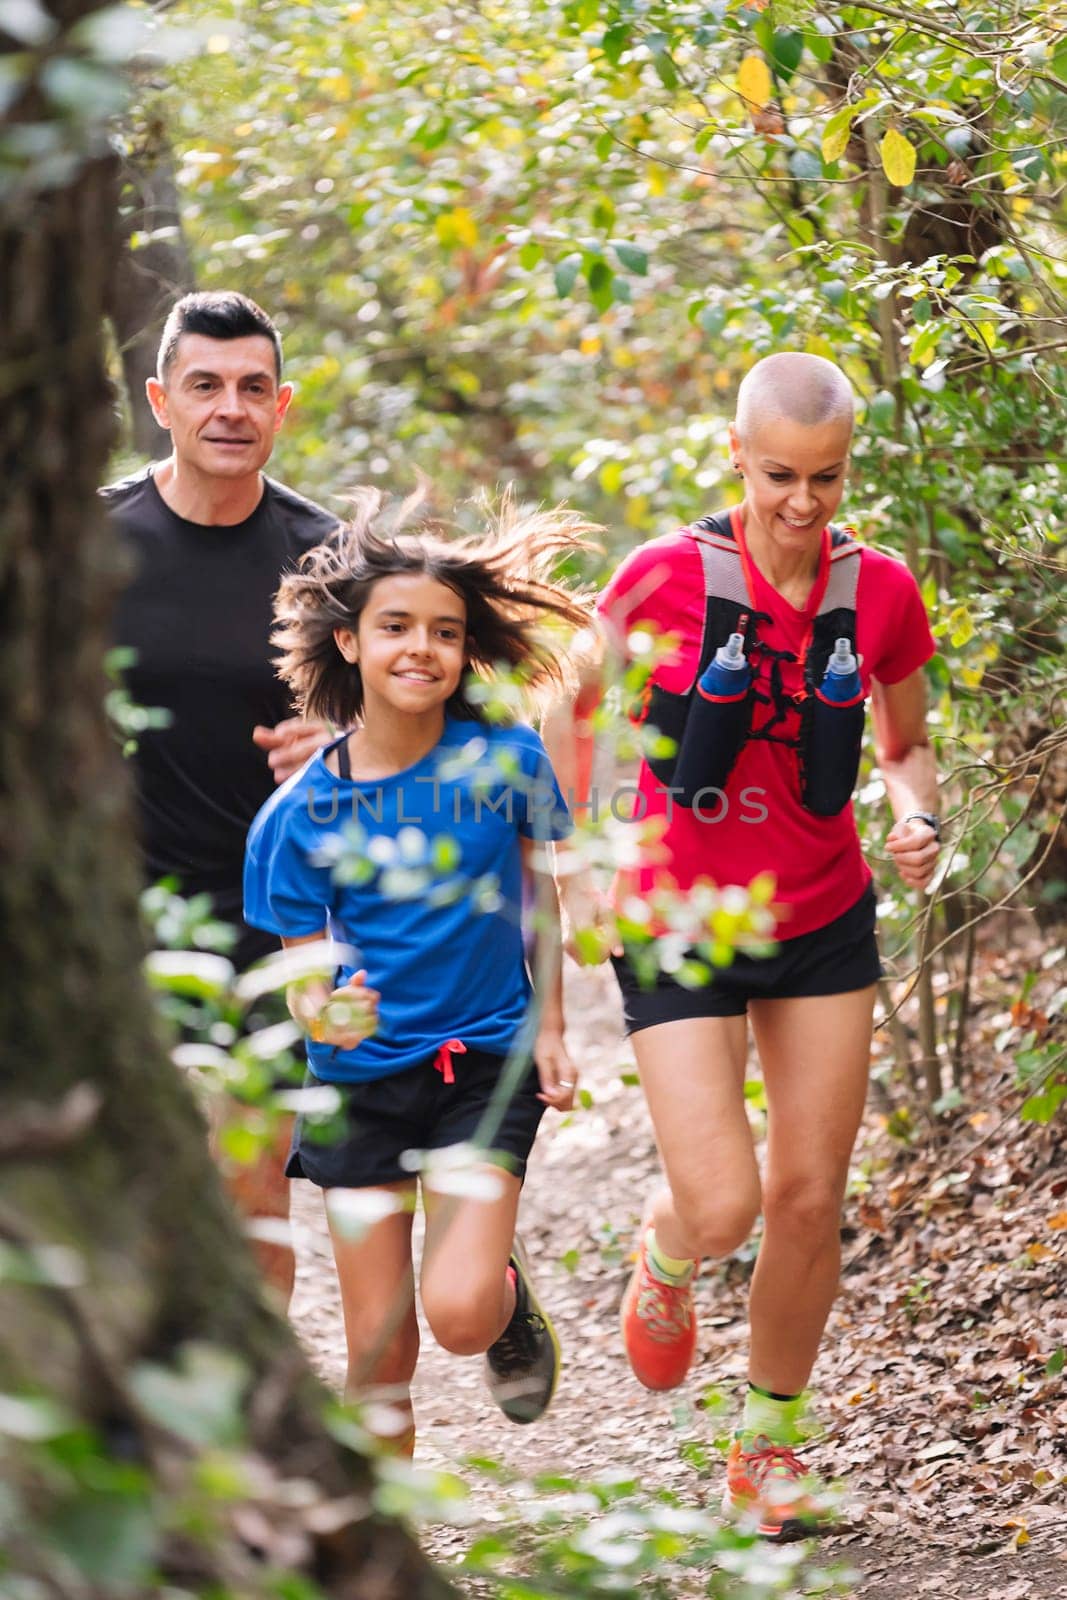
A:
(837, 133)
(898, 158)
(754, 81)
(636, 510)
(456, 227)
(961, 625)
(1058, 1221)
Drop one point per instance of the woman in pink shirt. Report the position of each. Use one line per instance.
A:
(794, 591)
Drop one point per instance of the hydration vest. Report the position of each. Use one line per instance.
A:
(827, 753)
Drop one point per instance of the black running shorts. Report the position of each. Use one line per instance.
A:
(835, 959)
(414, 1110)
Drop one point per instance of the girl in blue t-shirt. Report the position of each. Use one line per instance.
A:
(408, 843)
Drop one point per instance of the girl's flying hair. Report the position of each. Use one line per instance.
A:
(503, 577)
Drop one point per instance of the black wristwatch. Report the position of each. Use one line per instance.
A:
(927, 817)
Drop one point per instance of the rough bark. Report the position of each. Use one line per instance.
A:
(148, 279)
(102, 1151)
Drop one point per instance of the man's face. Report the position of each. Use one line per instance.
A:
(221, 404)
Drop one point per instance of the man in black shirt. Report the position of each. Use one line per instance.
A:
(210, 537)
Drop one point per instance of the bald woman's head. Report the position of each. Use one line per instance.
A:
(793, 387)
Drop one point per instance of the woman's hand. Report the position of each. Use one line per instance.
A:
(558, 1076)
(590, 934)
(914, 847)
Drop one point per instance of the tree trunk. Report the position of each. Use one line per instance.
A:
(149, 279)
(116, 1246)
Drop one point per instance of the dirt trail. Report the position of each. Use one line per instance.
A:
(588, 1177)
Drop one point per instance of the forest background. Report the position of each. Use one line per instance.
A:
(540, 244)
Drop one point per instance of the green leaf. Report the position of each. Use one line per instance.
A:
(566, 274)
(196, 973)
(821, 46)
(1043, 1107)
(200, 1399)
(33, 1417)
(615, 41)
(604, 214)
(805, 165)
(1056, 1362)
(590, 945)
(109, 1538)
(601, 281)
(787, 47)
(633, 258)
(924, 343)
(881, 409)
(658, 47)
(530, 255)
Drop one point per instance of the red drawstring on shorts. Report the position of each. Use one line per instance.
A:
(443, 1059)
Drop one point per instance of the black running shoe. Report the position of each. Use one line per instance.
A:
(522, 1366)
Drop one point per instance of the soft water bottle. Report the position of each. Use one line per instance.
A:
(830, 743)
(841, 680)
(717, 723)
(728, 674)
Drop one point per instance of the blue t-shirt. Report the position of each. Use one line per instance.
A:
(421, 875)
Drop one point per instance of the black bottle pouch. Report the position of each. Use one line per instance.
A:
(830, 754)
(715, 730)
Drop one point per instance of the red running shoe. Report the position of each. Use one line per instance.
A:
(769, 1483)
(659, 1330)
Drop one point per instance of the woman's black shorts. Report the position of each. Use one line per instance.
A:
(835, 959)
(413, 1110)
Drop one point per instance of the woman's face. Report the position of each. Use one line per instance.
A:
(794, 478)
(410, 644)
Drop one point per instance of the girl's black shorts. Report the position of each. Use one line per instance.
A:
(416, 1109)
(835, 959)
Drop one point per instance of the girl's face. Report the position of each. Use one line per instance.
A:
(410, 644)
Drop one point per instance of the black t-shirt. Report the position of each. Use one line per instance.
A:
(198, 613)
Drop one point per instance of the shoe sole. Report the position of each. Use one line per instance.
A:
(787, 1532)
(522, 1261)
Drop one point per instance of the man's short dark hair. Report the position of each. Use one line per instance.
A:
(217, 314)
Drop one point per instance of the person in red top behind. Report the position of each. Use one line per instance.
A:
(802, 599)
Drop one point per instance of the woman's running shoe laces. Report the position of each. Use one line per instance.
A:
(768, 1482)
(522, 1366)
(659, 1328)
